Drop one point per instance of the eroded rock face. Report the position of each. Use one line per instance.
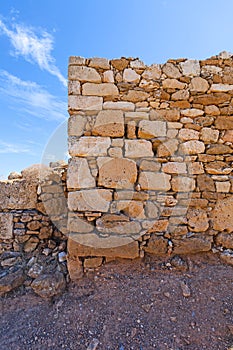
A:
(221, 216)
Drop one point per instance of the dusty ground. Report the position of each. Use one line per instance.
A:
(139, 305)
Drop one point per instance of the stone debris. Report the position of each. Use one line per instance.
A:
(185, 289)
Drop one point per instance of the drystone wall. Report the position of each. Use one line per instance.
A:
(151, 158)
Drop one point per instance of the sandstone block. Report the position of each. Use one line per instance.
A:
(85, 103)
(174, 168)
(77, 224)
(109, 123)
(167, 148)
(219, 149)
(157, 245)
(192, 245)
(225, 240)
(154, 181)
(221, 215)
(171, 70)
(223, 186)
(76, 125)
(79, 175)
(98, 62)
(205, 183)
(218, 168)
(151, 210)
(221, 87)
(159, 226)
(138, 149)
(199, 84)
(90, 200)
(183, 184)
(150, 129)
(104, 89)
(89, 146)
(228, 136)
(6, 226)
(198, 220)
(195, 168)
(138, 64)
(135, 116)
(74, 87)
(172, 115)
(212, 99)
(209, 135)
(118, 173)
(173, 84)
(190, 68)
(192, 147)
(75, 269)
(188, 134)
(152, 73)
(130, 76)
(212, 110)
(83, 74)
(92, 263)
(108, 76)
(77, 60)
(107, 224)
(224, 122)
(210, 69)
(192, 112)
(121, 105)
(135, 96)
(119, 64)
(180, 95)
(133, 209)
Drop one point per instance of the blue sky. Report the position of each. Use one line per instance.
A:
(37, 37)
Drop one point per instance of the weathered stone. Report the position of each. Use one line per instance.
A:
(135, 96)
(92, 263)
(221, 88)
(195, 168)
(11, 281)
(33, 225)
(127, 251)
(192, 147)
(19, 194)
(205, 183)
(120, 105)
(192, 245)
(192, 112)
(174, 168)
(225, 240)
(198, 220)
(228, 136)
(83, 74)
(90, 200)
(135, 116)
(180, 95)
(167, 148)
(211, 99)
(138, 148)
(210, 69)
(157, 245)
(209, 135)
(152, 73)
(221, 215)
(85, 103)
(6, 226)
(49, 285)
(154, 181)
(150, 165)
(108, 77)
(89, 146)
(77, 224)
(188, 134)
(104, 89)
(31, 244)
(74, 87)
(133, 209)
(223, 186)
(152, 211)
(171, 70)
(138, 64)
(183, 184)
(119, 64)
(79, 175)
(98, 62)
(75, 269)
(150, 129)
(130, 195)
(129, 75)
(173, 84)
(77, 60)
(159, 226)
(190, 68)
(107, 224)
(76, 125)
(118, 173)
(224, 122)
(166, 115)
(217, 168)
(219, 149)
(199, 84)
(109, 123)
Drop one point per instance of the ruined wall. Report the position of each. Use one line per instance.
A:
(151, 157)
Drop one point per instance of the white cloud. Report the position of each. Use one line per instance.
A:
(35, 47)
(31, 98)
(6, 147)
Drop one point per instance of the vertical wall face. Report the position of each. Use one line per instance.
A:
(151, 156)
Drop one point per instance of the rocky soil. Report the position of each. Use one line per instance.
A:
(183, 303)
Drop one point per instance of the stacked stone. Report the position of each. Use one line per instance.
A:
(151, 156)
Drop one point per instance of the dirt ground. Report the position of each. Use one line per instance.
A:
(180, 304)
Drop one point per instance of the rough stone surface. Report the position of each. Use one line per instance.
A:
(221, 215)
(85, 103)
(192, 147)
(79, 175)
(49, 285)
(138, 148)
(84, 74)
(109, 123)
(90, 146)
(6, 226)
(149, 129)
(90, 200)
(153, 181)
(105, 89)
(190, 68)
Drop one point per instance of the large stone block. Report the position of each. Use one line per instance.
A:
(104, 89)
(209, 135)
(171, 70)
(222, 215)
(154, 181)
(190, 68)
(157, 245)
(174, 168)
(109, 123)
(84, 74)
(84, 103)
(76, 125)
(192, 245)
(77, 224)
(90, 200)
(183, 184)
(150, 129)
(114, 224)
(224, 122)
(79, 175)
(119, 105)
(138, 148)
(89, 146)
(6, 226)
(117, 173)
(192, 147)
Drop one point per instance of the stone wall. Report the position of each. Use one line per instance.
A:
(151, 158)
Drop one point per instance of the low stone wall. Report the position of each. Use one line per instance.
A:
(151, 157)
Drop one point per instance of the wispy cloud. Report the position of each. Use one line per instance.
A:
(31, 98)
(34, 45)
(6, 147)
